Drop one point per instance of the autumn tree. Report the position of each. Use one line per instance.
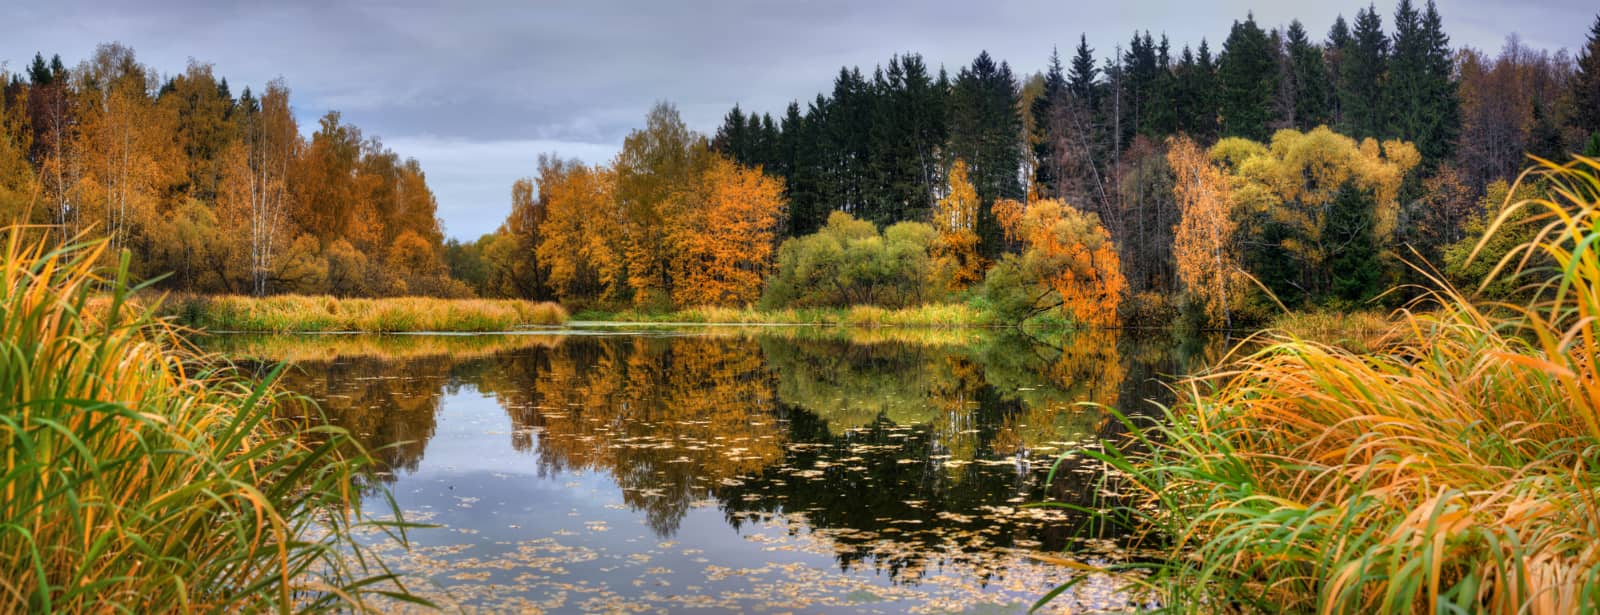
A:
(956, 261)
(1203, 244)
(129, 159)
(18, 187)
(580, 238)
(1068, 261)
(1285, 194)
(254, 193)
(724, 242)
(848, 262)
(655, 164)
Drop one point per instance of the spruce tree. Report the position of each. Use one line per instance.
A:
(1248, 78)
(801, 148)
(1084, 73)
(38, 74)
(985, 131)
(1163, 117)
(1310, 75)
(1045, 108)
(1356, 267)
(1421, 97)
(731, 139)
(1333, 53)
(1585, 84)
(1206, 95)
(1362, 72)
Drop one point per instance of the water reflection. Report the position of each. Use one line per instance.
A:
(899, 452)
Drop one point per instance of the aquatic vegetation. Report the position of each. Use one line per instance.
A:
(926, 315)
(1360, 331)
(319, 347)
(304, 313)
(136, 479)
(1451, 469)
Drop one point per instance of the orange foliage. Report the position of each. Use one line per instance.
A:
(1069, 251)
(1203, 243)
(724, 243)
(955, 217)
(578, 241)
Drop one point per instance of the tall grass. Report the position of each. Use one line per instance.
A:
(133, 481)
(1455, 469)
(302, 313)
(929, 315)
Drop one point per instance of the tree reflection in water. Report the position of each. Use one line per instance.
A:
(898, 448)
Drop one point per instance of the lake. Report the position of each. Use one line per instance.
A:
(779, 469)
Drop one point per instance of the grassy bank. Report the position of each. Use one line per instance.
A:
(933, 315)
(1452, 469)
(129, 482)
(1354, 331)
(300, 313)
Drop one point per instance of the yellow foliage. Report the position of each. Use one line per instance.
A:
(955, 217)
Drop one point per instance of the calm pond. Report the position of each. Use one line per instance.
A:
(737, 470)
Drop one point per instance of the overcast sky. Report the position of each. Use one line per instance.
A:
(477, 90)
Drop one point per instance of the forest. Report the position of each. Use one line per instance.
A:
(217, 192)
(1129, 185)
(1189, 161)
(1403, 228)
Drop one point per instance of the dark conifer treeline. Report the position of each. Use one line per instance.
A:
(1091, 130)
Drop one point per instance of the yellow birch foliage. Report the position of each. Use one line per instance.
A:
(1293, 181)
(578, 239)
(1203, 246)
(955, 217)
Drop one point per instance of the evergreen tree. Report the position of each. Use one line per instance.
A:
(1586, 84)
(38, 74)
(1357, 266)
(1361, 75)
(1045, 110)
(1163, 117)
(1247, 78)
(731, 139)
(1421, 97)
(1083, 75)
(985, 131)
(1140, 71)
(1544, 136)
(798, 148)
(1333, 53)
(900, 189)
(1310, 75)
(1206, 94)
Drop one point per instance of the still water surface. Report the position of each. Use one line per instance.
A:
(735, 470)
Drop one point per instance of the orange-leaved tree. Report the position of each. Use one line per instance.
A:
(1066, 253)
(580, 238)
(1203, 244)
(723, 244)
(955, 250)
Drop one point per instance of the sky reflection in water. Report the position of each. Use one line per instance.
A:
(728, 470)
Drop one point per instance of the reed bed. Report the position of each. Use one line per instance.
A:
(1361, 331)
(307, 348)
(132, 480)
(929, 315)
(303, 313)
(1454, 469)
